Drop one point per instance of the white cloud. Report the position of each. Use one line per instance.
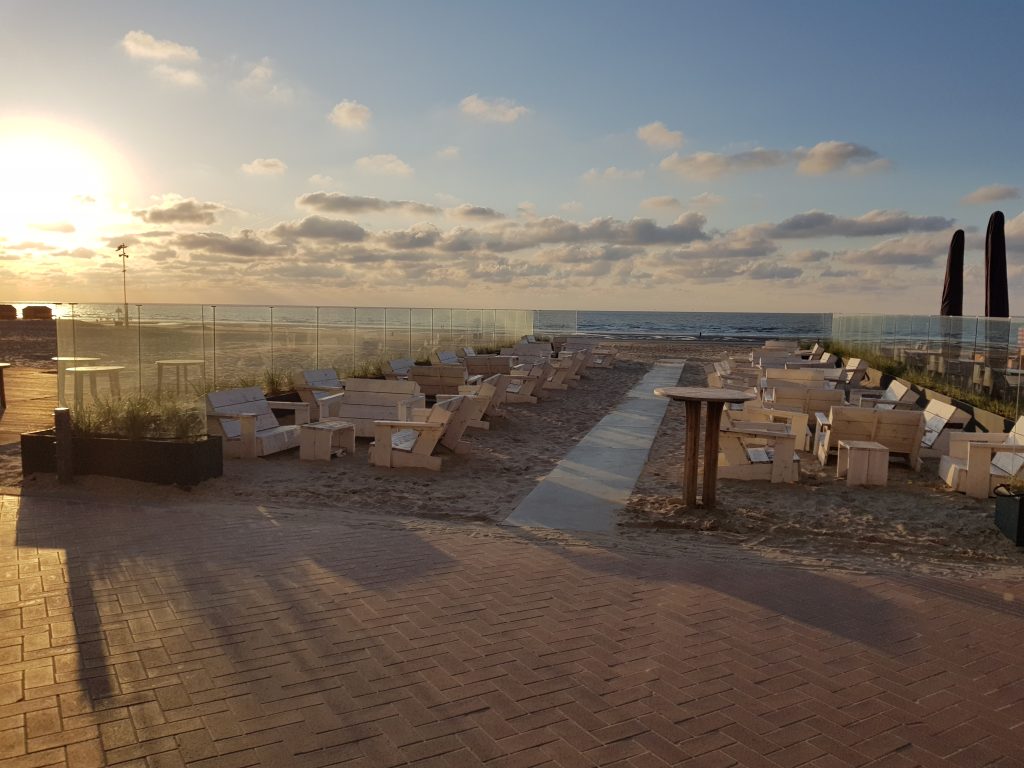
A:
(448, 153)
(656, 135)
(992, 193)
(493, 111)
(332, 202)
(914, 250)
(611, 173)
(387, 165)
(321, 180)
(182, 78)
(660, 202)
(173, 209)
(63, 227)
(711, 165)
(870, 224)
(477, 212)
(265, 166)
(350, 115)
(260, 81)
(140, 45)
(707, 199)
(832, 156)
(573, 206)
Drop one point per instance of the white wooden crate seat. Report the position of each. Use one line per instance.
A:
(245, 421)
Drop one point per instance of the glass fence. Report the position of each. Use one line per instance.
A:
(555, 322)
(975, 358)
(189, 349)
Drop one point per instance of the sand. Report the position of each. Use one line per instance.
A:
(913, 524)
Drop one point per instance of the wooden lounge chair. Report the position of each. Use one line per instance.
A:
(797, 421)
(441, 357)
(322, 389)
(482, 404)
(243, 418)
(979, 461)
(523, 385)
(757, 450)
(895, 395)
(600, 357)
(809, 400)
(899, 431)
(941, 421)
(803, 377)
(853, 372)
(397, 369)
(488, 365)
(441, 379)
(412, 443)
(824, 360)
(368, 400)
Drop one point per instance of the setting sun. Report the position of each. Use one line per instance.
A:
(60, 183)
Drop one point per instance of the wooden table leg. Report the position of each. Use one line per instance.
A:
(3, 392)
(159, 379)
(711, 453)
(692, 450)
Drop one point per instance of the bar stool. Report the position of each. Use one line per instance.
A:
(62, 369)
(180, 368)
(92, 371)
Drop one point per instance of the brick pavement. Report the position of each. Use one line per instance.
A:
(241, 636)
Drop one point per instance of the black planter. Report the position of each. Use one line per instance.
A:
(168, 462)
(1010, 517)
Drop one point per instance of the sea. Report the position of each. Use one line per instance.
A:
(626, 325)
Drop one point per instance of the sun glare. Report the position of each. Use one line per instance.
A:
(58, 184)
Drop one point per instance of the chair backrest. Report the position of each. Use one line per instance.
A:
(229, 402)
(899, 431)
(894, 393)
(807, 399)
(487, 365)
(445, 358)
(939, 415)
(541, 348)
(809, 377)
(438, 379)
(853, 372)
(1011, 463)
(468, 352)
(399, 367)
(307, 382)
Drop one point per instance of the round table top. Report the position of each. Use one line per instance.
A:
(704, 394)
(5, 365)
(95, 368)
(180, 362)
(64, 359)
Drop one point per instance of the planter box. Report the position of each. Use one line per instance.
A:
(1010, 518)
(169, 462)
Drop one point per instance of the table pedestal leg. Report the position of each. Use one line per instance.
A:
(711, 453)
(692, 450)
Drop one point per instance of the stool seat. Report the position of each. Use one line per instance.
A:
(862, 462)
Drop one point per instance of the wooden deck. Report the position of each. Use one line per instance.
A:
(31, 398)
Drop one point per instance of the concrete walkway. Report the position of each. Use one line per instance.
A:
(593, 482)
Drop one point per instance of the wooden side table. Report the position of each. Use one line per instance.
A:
(863, 462)
(716, 399)
(180, 368)
(323, 439)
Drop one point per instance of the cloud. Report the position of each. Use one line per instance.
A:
(809, 256)
(660, 202)
(84, 199)
(871, 224)
(265, 166)
(494, 111)
(765, 270)
(710, 165)
(320, 228)
(707, 199)
(573, 206)
(388, 165)
(243, 246)
(448, 153)
(63, 227)
(180, 211)
(260, 81)
(140, 45)
(915, 250)
(744, 243)
(657, 136)
(350, 115)
(467, 211)
(992, 193)
(182, 78)
(321, 180)
(832, 156)
(331, 202)
(611, 173)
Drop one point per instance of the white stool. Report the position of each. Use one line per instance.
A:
(62, 370)
(323, 439)
(80, 372)
(863, 462)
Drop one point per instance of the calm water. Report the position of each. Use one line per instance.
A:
(687, 324)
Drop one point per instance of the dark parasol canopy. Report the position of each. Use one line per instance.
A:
(997, 295)
(953, 287)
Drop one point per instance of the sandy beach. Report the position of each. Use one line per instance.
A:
(915, 523)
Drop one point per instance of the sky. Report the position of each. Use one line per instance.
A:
(683, 156)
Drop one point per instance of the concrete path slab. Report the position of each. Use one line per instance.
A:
(594, 481)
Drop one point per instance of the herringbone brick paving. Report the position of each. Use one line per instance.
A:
(232, 636)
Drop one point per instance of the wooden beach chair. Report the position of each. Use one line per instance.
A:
(488, 365)
(412, 443)
(757, 450)
(441, 379)
(482, 404)
(899, 431)
(797, 421)
(442, 357)
(321, 388)
(600, 357)
(397, 369)
(979, 461)
(368, 400)
(248, 428)
(809, 400)
(853, 372)
(895, 395)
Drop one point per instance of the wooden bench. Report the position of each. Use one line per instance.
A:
(368, 400)
(441, 379)
(412, 443)
(243, 418)
(322, 389)
(899, 431)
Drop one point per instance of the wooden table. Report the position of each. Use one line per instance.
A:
(862, 462)
(716, 399)
(180, 368)
(80, 372)
(62, 369)
(3, 392)
(323, 439)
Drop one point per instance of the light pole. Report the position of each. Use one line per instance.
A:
(123, 253)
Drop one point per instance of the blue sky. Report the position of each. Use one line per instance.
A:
(705, 156)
